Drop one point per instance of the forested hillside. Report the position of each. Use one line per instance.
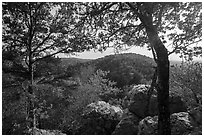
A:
(66, 62)
(63, 92)
(133, 68)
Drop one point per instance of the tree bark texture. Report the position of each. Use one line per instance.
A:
(31, 108)
(163, 82)
(150, 90)
(31, 114)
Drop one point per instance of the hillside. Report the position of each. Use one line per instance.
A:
(176, 62)
(63, 98)
(125, 69)
(65, 62)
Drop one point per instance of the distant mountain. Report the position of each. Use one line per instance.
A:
(65, 62)
(176, 62)
(125, 69)
(128, 68)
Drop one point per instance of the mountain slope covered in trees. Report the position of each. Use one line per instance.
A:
(124, 69)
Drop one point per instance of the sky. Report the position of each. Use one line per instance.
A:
(138, 50)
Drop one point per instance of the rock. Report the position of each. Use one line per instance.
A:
(148, 126)
(103, 109)
(138, 100)
(138, 97)
(196, 116)
(177, 104)
(36, 131)
(127, 126)
(100, 118)
(180, 122)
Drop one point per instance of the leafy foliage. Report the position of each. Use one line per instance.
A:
(186, 80)
(92, 88)
(13, 111)
(124, 24)
(41, 24)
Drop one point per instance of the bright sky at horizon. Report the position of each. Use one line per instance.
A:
(138, 50)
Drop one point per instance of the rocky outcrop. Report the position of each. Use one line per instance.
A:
(100, 118)
(127, 125)
(103, 109)
(181, 124)
(139, 100)
(36, 131)
(148, 126)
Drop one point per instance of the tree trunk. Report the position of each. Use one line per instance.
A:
(150, 90)
(163, 81)
(144, 12)
(31, 108)
(31, 114)
(163, 96)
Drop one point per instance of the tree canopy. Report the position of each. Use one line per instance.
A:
(39, 29)
(120, 24)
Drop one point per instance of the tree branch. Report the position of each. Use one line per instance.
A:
(154, 54)
(48, 47)
(50, 55)
(40, 44)
(121, 28)
(160, 16)
(177, 46)
(96, 12)
(10, 85)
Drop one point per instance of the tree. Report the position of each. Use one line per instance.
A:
(36, 31)
(151, 24)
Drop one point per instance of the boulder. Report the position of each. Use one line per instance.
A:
(100, 118)
(36, 131)
(138, 100)
(196, 116)
(180, 122)
(127, 125)
(103, 109)
(138, 97)
(148, 126)
(177, 104)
